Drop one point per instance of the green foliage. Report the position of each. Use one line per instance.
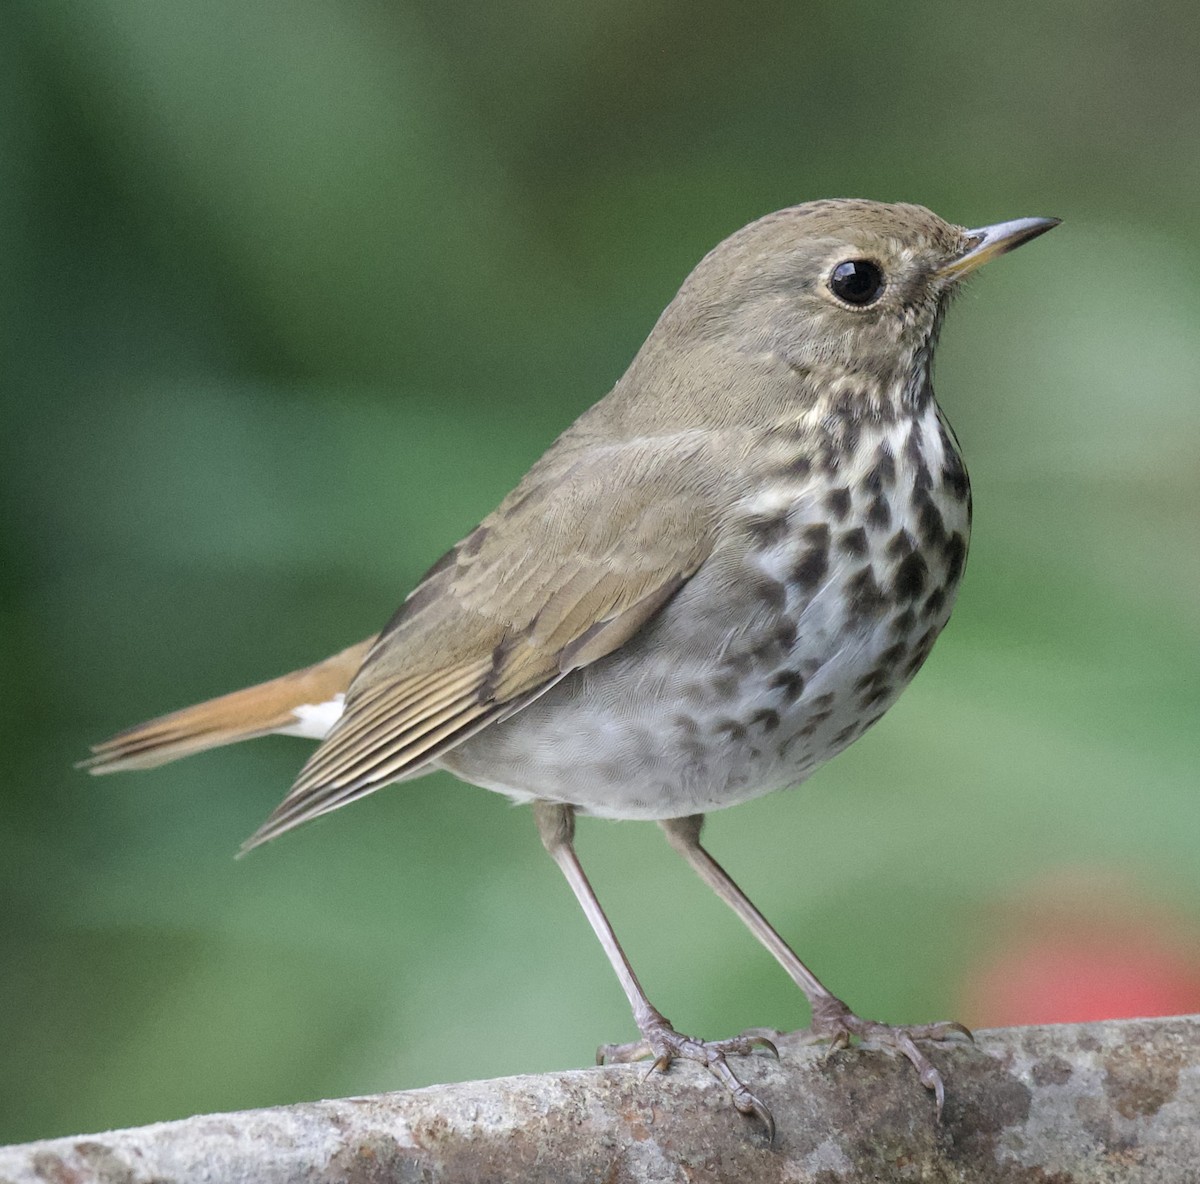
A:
(292, 294)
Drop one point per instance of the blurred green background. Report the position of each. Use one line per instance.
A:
(291, 294)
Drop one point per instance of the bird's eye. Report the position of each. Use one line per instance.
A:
(857, 281)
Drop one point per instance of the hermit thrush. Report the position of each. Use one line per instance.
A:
(717, 578)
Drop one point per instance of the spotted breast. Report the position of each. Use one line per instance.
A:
(844, 579)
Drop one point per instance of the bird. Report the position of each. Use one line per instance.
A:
(718, 577)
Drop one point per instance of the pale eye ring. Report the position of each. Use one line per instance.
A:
(858, 282)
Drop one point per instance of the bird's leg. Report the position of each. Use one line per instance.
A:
(832, 1020)
(556, 825)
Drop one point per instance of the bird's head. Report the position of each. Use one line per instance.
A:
(837, 288)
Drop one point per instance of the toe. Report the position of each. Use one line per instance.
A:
(742, 1046)
(743, 1099)
(621, 1054)
(940, 1031)
(665, 1045)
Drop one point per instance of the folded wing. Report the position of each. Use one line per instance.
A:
(570, 566)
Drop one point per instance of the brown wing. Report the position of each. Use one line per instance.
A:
(571, 565)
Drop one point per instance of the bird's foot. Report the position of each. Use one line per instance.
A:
(664, 1044)
(834, 1021)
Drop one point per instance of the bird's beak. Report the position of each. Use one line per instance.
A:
(987, 242)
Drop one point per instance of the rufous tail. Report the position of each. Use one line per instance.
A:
(287, 703)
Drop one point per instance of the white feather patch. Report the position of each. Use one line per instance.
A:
(314, 720)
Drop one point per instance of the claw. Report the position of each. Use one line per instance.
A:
(834, 1021)
(840, 1040)
(746, 1103)
(765, 1044)
(661, 1042)
(939, 1094)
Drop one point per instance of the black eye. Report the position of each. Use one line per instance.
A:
(857, 281)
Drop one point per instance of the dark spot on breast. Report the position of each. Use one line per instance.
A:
(837, 501)
(772, 593)
(875, 696)
(909, 580)
(912, 446)
(824, 702)
(726, 685)
(739, 662)
(915, 456)
(870, 679)
(934, 602)
(810, 569)
(767, 530)
(847, 403)
(902, 622)
(954, 476)
(885, 462)
(731, 728)
(920, 652)
(766, 718)
(956, 555)
(686, 724)
(864, 595)
(892, 655)
(930, 523)
(879, 513)
(854, 542)
(785, 634)
(800, 466)
(846, 734)
(901, 544)
(790, 682)
(881, 475)
(829, 456)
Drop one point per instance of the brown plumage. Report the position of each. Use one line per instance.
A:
(253, 711)
(495, 624)
(713, 581)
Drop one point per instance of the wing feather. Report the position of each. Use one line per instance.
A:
(574, 562)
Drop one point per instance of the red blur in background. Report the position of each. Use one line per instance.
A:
(1082, 944)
